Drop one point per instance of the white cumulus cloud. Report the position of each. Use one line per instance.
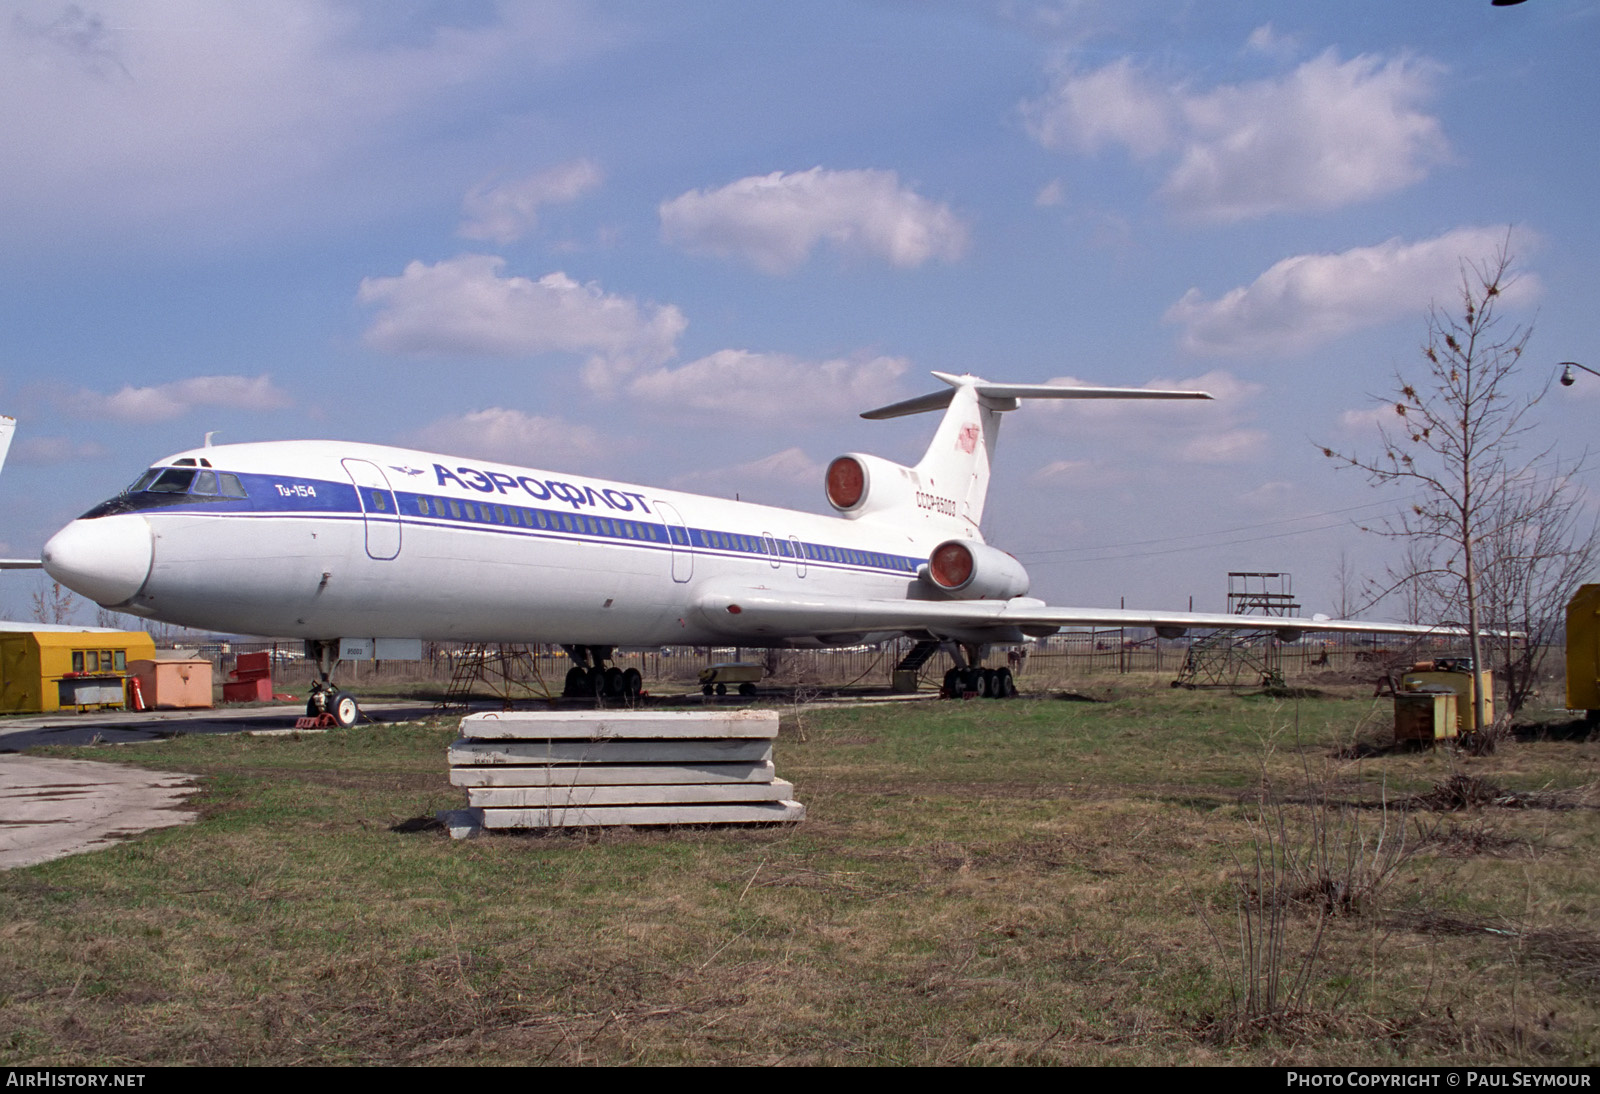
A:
(1326, 134)
(1228, 446)
(165, 402)
(1309, 299)
(187, 116)
(51, 450)
(789, 468)
(503, 212)
(1117, 104)
(511, 436)
(1366, 422)
(1188, 430)
(467, 306)
(775, 221)
(771, 386)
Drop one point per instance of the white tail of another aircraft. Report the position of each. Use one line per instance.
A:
(8, 426)
(952, 479)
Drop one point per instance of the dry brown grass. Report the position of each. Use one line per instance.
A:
(976, 883)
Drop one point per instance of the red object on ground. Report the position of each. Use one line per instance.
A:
(247, 691)
(252, 666)
(252, 679)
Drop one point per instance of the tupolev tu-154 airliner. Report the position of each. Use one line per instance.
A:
(334, 542)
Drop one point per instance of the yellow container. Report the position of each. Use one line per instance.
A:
(1583, 650)
(47, 670)
(1425, 716)
(1461, 684)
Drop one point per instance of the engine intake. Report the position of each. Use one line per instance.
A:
(969, 570)
(858, 484)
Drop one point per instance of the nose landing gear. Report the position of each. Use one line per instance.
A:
(324, 698)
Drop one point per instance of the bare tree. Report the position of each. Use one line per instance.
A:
(1454, 443)
(53, 604)
(1541, 544)
(1345, 605)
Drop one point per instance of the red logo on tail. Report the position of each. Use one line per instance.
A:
(967, 439)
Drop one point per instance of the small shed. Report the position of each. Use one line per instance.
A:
(174, 682)
(46, 668)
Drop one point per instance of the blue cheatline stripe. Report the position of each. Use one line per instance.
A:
(279, 495)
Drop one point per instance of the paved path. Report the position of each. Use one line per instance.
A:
(51, 807)
(126, 726)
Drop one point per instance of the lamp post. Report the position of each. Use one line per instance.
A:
(1567, 379)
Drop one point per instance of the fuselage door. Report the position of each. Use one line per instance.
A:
(682, 547)
(379, 509)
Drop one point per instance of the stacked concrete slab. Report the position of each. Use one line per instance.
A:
(599, 768)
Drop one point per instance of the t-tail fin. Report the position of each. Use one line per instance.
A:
(957, 464)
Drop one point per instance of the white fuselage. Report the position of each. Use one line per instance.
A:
(343, 540)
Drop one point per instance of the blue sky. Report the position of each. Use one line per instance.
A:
(685, 244)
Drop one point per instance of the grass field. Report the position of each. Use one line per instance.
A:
(1150, 877)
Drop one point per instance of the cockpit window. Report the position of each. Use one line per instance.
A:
(172, 481)
(161, 487)
(144, 480)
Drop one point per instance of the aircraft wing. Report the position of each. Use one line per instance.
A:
(760, 613)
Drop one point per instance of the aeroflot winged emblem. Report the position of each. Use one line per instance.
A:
(405, 470)
(967, 440)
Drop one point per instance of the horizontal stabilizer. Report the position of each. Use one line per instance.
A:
(997, 396)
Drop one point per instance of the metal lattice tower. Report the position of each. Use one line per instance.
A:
(507, 672)
(1229, 659)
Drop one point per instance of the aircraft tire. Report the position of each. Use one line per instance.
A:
(747, 689)
(314, 705)
(978, 682)
(344, 708)
(954, 684)
(577, 682)
(1005, 687)
(595, 683)
(632, 683)
(722, 689)
(613, 682)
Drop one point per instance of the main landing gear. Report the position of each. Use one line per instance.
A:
(968, 679)
(324, 697)
(591, 678)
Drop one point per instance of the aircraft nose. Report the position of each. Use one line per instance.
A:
(106, 559)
